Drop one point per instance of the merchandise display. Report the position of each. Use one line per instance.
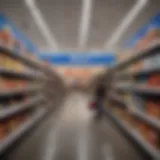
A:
(24, 84)
(20, 97)
(11, 101)
(7, 84)
(10, 64)
(140, 114)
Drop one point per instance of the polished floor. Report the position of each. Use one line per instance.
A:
(72, 133)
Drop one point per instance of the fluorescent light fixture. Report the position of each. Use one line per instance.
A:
(41, 24)
(125, 23)
(85, 22)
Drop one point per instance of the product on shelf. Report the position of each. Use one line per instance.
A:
(10, 124)
(153, 105)
(151, 135)
(153, 109)
(8, 83)
(154, 80)
(9, 63)
(3, 130)
(13, 101)
(5, 38)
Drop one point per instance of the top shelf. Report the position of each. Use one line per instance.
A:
(21, 58)
(139, 55)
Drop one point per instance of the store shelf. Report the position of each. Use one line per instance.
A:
(21, 57)
(137, 88)
(20, 131)
(118, 99)
(130, 74)
(151, 151)
(8, 111)
(139, 55)
(138, 114)
(149, 120)
(8, 92)
(21, 75)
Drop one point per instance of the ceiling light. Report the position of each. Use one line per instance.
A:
(41, 24)
(85, 22)
(125, 23)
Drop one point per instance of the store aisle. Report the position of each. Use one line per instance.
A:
(72, 134)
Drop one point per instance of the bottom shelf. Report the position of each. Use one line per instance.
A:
(21, 130)
(151, 151)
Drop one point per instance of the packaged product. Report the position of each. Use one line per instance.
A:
(13, 123)
(153, 109)
(154, 80)
(3, 130)
(130, 120)
(154, 137)
(149, 134)
(23, 116)
(5, 38)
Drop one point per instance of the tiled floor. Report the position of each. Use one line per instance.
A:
(72, 133)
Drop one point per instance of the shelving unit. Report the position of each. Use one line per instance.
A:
(20, 131)
(137, 88)
(5, 113)
(29, 89)
(22, 75)
(117, 91)
(154, 153)
(30, 100)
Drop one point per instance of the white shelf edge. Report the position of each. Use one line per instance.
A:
(137, 73)
(9, 111)
(29, 88)
(20, 57)
(150, 120)
(138, 55)
(140, 89)
(21, 74)
(137, 137)
(118, 99)
(17, 133)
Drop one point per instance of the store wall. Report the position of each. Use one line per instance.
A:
(78, 75)
(78, 68)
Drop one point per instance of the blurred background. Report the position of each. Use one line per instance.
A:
(54, 57)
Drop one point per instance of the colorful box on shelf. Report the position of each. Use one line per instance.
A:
(12, 38)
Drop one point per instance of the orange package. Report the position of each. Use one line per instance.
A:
(3, 130)
(154, 80)
(153, 137)
(153, 109)
(149, 134)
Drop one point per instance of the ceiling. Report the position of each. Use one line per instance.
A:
(63, 18)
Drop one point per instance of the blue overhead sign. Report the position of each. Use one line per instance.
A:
(79, 59)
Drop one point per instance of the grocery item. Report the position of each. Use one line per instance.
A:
(5, 38)
(154, 80)
(149, 134)
(15, 121)
(153, 109)
(8, 83)
(3, 130)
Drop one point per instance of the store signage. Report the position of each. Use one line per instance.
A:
(79, 59)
